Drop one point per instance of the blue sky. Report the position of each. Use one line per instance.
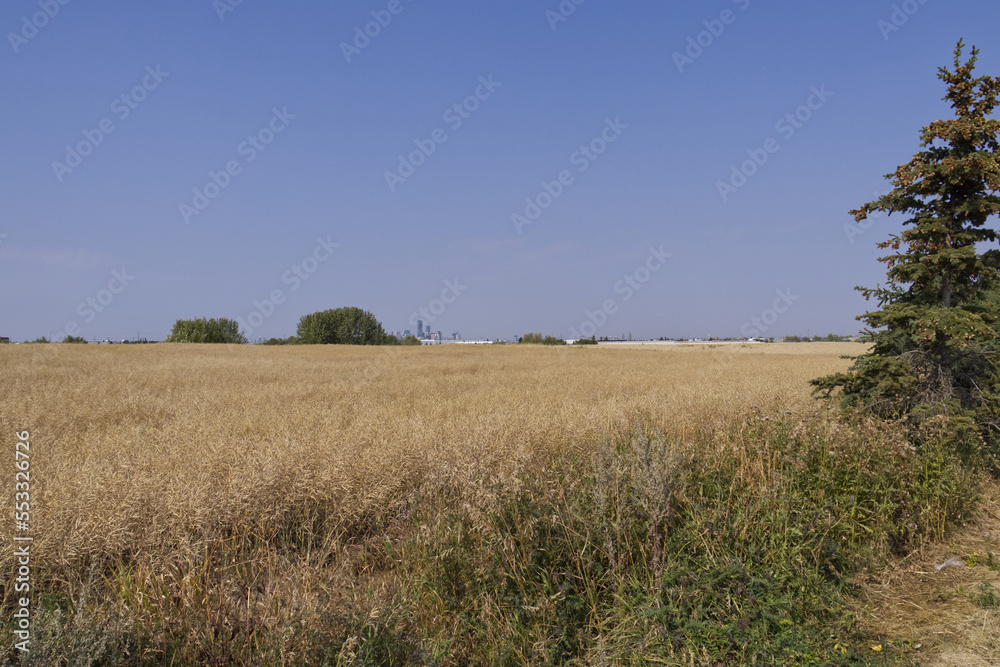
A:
(245, 170)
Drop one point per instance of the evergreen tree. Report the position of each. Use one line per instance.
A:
(933, 335)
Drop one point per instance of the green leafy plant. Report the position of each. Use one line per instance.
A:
(987, 598)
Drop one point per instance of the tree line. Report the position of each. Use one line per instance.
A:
(337, 326)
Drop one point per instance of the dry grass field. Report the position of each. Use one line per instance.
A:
(137, 447)
(243, 504)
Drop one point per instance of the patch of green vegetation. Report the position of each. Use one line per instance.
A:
(987, 597)
(539, 339)
(657, 551)
(291, 340)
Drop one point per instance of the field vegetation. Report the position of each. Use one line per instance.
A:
(459, 505)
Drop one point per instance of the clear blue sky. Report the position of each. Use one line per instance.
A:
(198, 87)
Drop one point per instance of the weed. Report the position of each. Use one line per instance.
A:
(986, 598)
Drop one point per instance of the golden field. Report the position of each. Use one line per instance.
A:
(248, 504)
(137, 447)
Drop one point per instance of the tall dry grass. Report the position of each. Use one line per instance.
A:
(222, 495)
(136, 448)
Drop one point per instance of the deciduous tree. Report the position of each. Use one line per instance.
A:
(342, 326)
(201, 330)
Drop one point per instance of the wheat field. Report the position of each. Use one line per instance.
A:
(158, 467)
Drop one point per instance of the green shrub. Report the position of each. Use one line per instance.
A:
(342, 326)
(987, 597)
(201, 330)
(538, 339)
(654, 550)
(291, 340)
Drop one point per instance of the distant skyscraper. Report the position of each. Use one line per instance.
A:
(420, 328)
